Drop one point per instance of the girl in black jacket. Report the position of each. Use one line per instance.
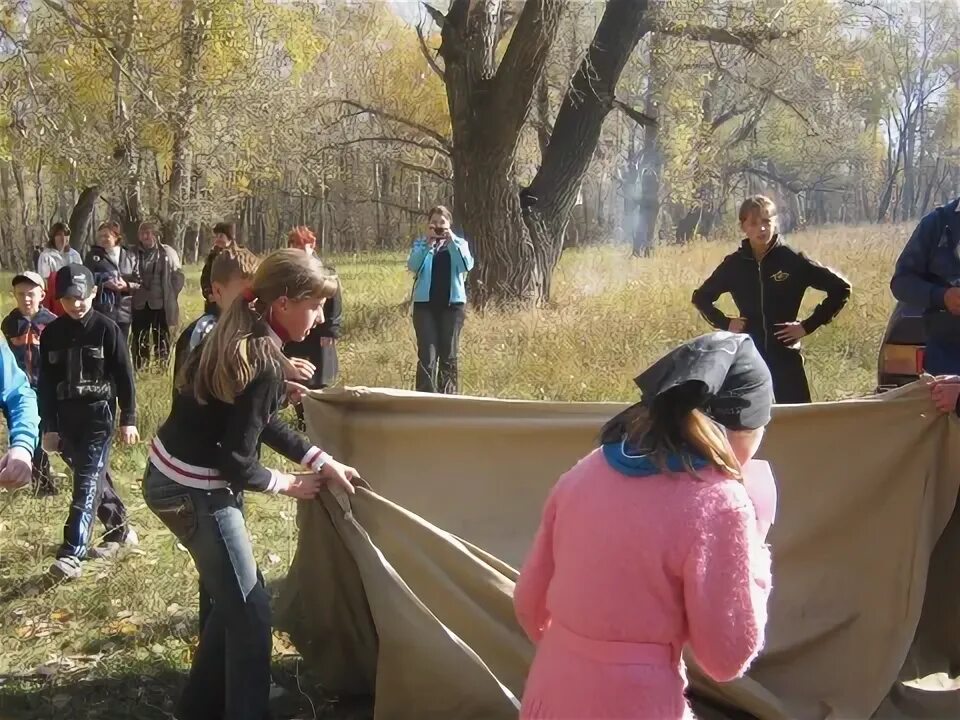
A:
(206, 454)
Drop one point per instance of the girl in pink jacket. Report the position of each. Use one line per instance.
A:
(652, 542)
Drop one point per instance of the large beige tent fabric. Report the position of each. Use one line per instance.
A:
(402, 593)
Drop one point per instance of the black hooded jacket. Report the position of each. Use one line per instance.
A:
(769, 292)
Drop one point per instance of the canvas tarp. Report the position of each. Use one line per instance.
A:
(406, 593)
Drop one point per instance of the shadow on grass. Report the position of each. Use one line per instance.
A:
(151, 692)
(32, 586)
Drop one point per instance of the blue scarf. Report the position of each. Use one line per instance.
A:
(641, 464)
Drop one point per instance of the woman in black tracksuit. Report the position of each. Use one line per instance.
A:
(768, 279)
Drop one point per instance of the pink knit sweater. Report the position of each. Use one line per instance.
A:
(664, 560)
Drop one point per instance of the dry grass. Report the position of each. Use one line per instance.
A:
(116, 642)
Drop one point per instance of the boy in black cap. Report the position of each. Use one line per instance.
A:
(84, 370)
(22, 328)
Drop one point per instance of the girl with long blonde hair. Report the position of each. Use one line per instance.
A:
(206, 455)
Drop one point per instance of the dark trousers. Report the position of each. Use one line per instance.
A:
(125, 331)
(438, 343)
(790, 385)
(150, 332)
(85, 434)
(42, 474)
(230, 675)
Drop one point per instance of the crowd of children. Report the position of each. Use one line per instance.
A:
(681, 458)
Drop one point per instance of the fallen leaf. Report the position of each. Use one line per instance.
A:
(61, 615)
(273, 558)
(173, 608)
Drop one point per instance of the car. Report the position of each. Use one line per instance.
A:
(900, 360)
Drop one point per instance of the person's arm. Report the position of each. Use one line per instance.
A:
(47, 382)
(180, 352)
(833, 284)
(239, 457)
(177, 278)
(705, 296)
(726, 584)
(292, 445)
(530, 592)
(333, 312)
(911, 276)
(461, 255)
(419, 251)
(44, 265)
(206, 288)
(19, 403)
(121, 371)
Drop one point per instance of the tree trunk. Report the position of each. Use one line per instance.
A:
(82, 212)
(194, 19)
(126, 147)
(517, 233)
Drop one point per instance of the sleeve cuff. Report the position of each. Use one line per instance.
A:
(277, 483)
(315, 459)
(24, 442)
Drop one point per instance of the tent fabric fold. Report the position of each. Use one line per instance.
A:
(405, 592)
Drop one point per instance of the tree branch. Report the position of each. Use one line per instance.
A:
(444, 142)
(586, 104)
(431, 61)
(744, 37)
(638, 117)
(388, 139)
(728, 115)
(438, 17)
(424, 169)
(524, 60)
(101, 38)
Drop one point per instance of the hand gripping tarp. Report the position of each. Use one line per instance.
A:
(406, 594)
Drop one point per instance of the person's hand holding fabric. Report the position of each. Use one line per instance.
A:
(946, 392)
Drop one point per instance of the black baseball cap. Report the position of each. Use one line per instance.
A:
(720, 373)
(74, 281)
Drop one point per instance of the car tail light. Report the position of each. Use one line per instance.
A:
(902, 359)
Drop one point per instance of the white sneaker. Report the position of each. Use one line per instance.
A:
(111, 548)
(66, 568)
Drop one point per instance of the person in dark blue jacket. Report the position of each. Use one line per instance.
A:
(927, 277)
(22, 328)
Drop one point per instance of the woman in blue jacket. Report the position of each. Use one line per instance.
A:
(440, 261)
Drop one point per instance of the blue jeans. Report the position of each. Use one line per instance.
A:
(85, 434)
(230, 676)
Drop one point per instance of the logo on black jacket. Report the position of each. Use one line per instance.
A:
(779, 276)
